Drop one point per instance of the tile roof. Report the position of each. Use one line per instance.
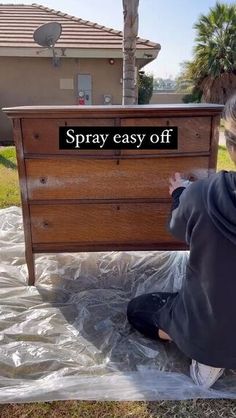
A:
(18, 23)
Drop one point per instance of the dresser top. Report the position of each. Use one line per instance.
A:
(115, 110)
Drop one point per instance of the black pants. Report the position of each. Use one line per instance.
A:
(143, 312)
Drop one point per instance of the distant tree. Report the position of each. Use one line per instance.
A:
(194, 97)
(185, 83)
(213, 68)
(145, 87)
(164, 84)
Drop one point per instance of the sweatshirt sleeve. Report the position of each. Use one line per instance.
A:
(178, 219)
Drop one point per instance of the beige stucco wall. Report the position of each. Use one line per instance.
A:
(166, 98)
(34, 81)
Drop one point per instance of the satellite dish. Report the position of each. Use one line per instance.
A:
(47, 35)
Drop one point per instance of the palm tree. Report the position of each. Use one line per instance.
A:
(213, 68)
(130, 9)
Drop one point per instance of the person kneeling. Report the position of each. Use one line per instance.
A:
(200, 318)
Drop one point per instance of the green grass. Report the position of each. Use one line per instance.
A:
(9, 183)
(9, 195)
(224, 162)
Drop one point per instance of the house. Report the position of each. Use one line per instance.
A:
(89, 55)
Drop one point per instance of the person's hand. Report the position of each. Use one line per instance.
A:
(177, 181)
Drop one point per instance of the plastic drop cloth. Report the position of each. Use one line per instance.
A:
(68, 337)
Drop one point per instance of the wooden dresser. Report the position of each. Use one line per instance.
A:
(105, 200)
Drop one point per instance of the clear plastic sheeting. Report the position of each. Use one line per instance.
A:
(68, 337)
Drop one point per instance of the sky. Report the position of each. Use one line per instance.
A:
(168, 22)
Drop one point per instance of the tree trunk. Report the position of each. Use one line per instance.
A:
(130, 9)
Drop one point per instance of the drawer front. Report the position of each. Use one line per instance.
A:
(107, 178)
(41, 136)
(193, 133)
(100, 223)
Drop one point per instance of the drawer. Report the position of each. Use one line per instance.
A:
(41, 136)
(194, 133)
(121, 223)
(88, 178)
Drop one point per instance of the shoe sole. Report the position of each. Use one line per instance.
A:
(211, 377)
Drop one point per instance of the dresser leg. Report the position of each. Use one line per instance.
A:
(30, 264)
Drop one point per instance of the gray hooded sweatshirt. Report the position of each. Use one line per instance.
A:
(201, 319)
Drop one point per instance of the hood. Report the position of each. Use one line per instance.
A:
(220, 200)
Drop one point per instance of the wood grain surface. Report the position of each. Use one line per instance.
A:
(59, 178)
(100, 223)
(41, 136)
(193, 133)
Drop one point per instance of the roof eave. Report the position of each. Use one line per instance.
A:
(148, 54)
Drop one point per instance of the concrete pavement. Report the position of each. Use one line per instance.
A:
(222, 138)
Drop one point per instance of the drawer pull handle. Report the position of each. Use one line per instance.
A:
(36, 136)
(197, 135)
(43, 180)
(118, 207)
(45, 224)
